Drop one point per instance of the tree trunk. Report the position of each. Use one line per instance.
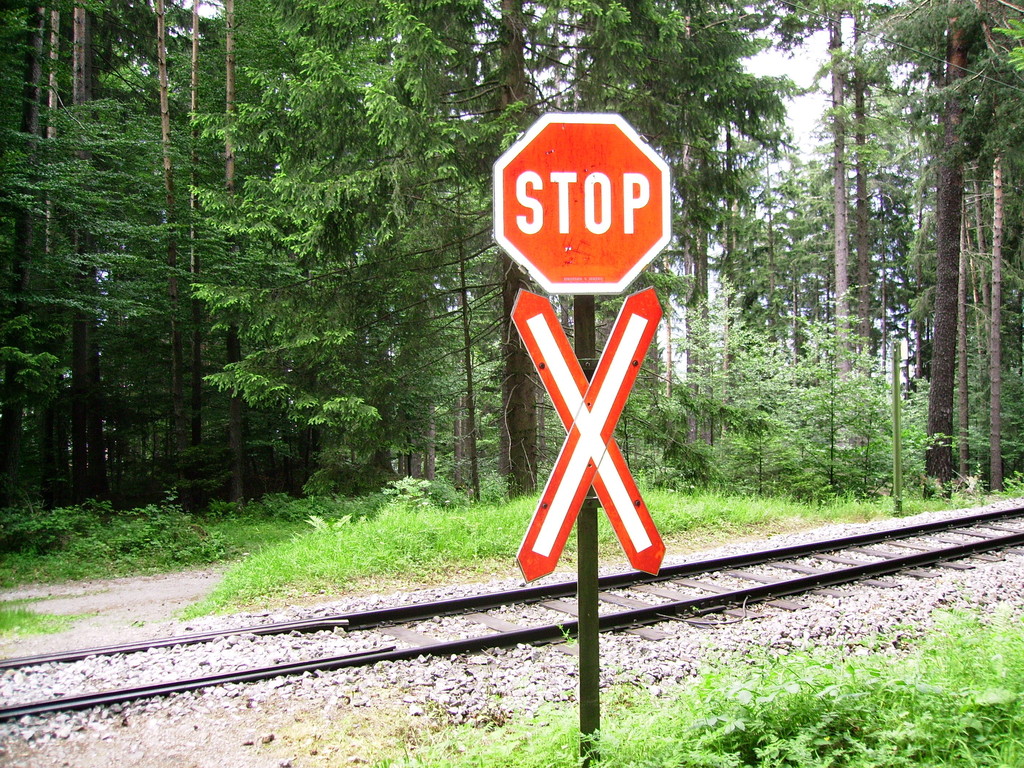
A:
(995, 350)
(469, 430)
(236, 444)
(88, 458)
(430, 454)
(949, 204)
(518, 391)
(236, 440)
(979, 274)
(196, 399)
(862, 214)
(179, 424)
(840, 198)
(459, 442)
(669, 363)
(995, 372)
(12, 414)
(80, 322)
(98, 481)
(519, 397)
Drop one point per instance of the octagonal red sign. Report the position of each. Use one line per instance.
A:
(582, 202)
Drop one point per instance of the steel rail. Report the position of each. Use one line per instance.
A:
(420, 611)
(305, 625)
(547, 633)
(124, 695)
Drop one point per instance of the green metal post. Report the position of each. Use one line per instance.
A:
(587, 562)
(897, 429)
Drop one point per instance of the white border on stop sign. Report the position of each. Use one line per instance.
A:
(513, 151)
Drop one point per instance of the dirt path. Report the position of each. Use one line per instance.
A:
(111, 610)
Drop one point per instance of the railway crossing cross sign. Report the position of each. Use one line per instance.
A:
(582, 203)
(589, 412)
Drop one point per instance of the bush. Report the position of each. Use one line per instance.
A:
(154, 536)
(416, 493)
(281, 506)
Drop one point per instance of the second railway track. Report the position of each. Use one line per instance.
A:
(631, 602)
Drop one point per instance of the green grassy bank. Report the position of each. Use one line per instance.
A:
(280, 548)
(415, 538)
(953, 701)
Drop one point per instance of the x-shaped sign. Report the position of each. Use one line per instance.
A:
(589, 411)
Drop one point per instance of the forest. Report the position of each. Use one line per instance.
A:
(246, 247)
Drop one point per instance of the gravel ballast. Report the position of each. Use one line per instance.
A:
(296, 720)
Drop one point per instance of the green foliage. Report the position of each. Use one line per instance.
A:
(358, 226)
(410, 536)
(281, 506)
(417, 493)
(409, 492)
(418, 531)
(1016, 31)
(93, 539)
(772, 422)
(1014, 485)
(953, 701)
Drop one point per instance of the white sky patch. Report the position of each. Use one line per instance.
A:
(803, 66)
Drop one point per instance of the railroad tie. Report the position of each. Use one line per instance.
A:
(917, 574)
(769, 580)
(808, 571)
(917, 548)
(676, 595)
(411, 636)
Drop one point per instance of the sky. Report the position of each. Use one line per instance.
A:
(802, 66)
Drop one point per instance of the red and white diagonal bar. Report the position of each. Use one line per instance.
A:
(589, 413)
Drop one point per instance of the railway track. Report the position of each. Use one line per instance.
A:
(631, 602)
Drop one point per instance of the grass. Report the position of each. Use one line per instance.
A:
(415, 539)
(18, 621)
(95, 541)
(414, 531)
(723, 516)
(955, 700)
(400, 542)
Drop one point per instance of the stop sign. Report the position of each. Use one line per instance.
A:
(582, 203)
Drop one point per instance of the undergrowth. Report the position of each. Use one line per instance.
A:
(417, 532)
(413, 527)
(93, 540)
(953, 701)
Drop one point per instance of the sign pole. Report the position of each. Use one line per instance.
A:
(583, 204)
(897, 429)
(587, 561)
